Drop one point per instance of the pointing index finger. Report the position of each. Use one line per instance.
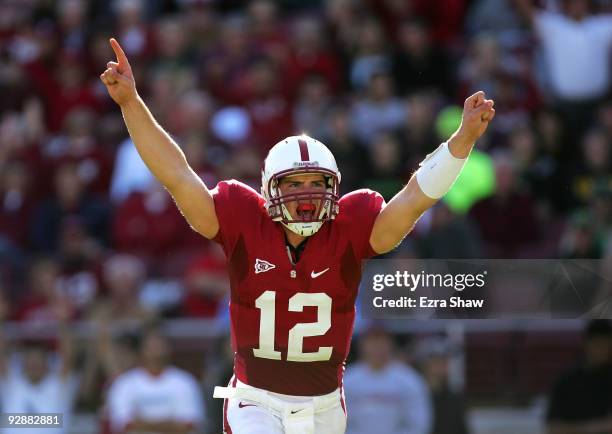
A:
(121, 57)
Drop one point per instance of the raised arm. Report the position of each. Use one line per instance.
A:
(159, 152)
(436, 175)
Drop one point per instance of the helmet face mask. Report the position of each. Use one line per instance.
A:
(286, 159)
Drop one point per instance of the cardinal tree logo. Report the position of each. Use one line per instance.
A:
(262, 266)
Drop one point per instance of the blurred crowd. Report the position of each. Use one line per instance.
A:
(87, 233)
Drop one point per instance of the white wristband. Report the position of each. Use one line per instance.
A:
(439, 171)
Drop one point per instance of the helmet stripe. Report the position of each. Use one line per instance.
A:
(304, 150)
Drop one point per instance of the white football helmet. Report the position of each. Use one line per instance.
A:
(297, 155)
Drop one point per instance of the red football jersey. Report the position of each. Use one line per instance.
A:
(292, 324)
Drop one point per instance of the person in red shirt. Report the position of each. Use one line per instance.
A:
(294, 257)
(206, 285)
(309, 55)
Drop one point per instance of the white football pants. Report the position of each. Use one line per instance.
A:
(249, 410)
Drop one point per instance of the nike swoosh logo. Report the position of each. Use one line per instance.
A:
(296, 411)
(315, 275)
(241, 405)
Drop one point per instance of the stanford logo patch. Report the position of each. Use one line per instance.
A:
(262, 266)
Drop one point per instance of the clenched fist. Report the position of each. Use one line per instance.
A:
(118, 77)
(477, 113)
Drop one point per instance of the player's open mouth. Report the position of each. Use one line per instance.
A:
(306, 211)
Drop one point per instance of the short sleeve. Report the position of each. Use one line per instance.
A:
(358, 212)
(236, 205)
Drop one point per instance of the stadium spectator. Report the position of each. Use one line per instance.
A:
(581, 401)
(201, 23)
(485, 65)
(79, 266)
(148, 224)
(165, 89)
(313, 107)
(550, 134)
(342, 20)
(309, 54)
(220, 368)
(576, 57)
(498, 17)
(245, 164)
(449, 236)
(43, 302)
(371, 55)
(507, 206)
(593, 176)
(417, 131)
(378, 111)
(419, 65)
(172, 48)
(5, 306)
(449, 406)
(64, 86)
(132, 28)
(206, 284)
(71, 201)
(20, 134)
(580, 239)
(605, 118)
(386, 171)
(445, 18)
(382, 394)
(15, 205)
(523, 146)
(72, 26)
(190, 116)
(76, 144)
(156, 396)
(268, 104)
(112, 353)
(38, 380)
(224, 70)
(123, 276)
(350, 153)
(267, 32)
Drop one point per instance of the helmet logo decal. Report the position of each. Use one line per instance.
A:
(262, 266)
(303, 150)
(297, 155)
(306, 164)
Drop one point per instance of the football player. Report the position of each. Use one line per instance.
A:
(294, 255)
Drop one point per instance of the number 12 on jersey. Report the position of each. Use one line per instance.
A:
(266, 303)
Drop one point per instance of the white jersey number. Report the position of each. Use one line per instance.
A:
(266, 304)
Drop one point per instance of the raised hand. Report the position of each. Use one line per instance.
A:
(477, 113)
(118, 77)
